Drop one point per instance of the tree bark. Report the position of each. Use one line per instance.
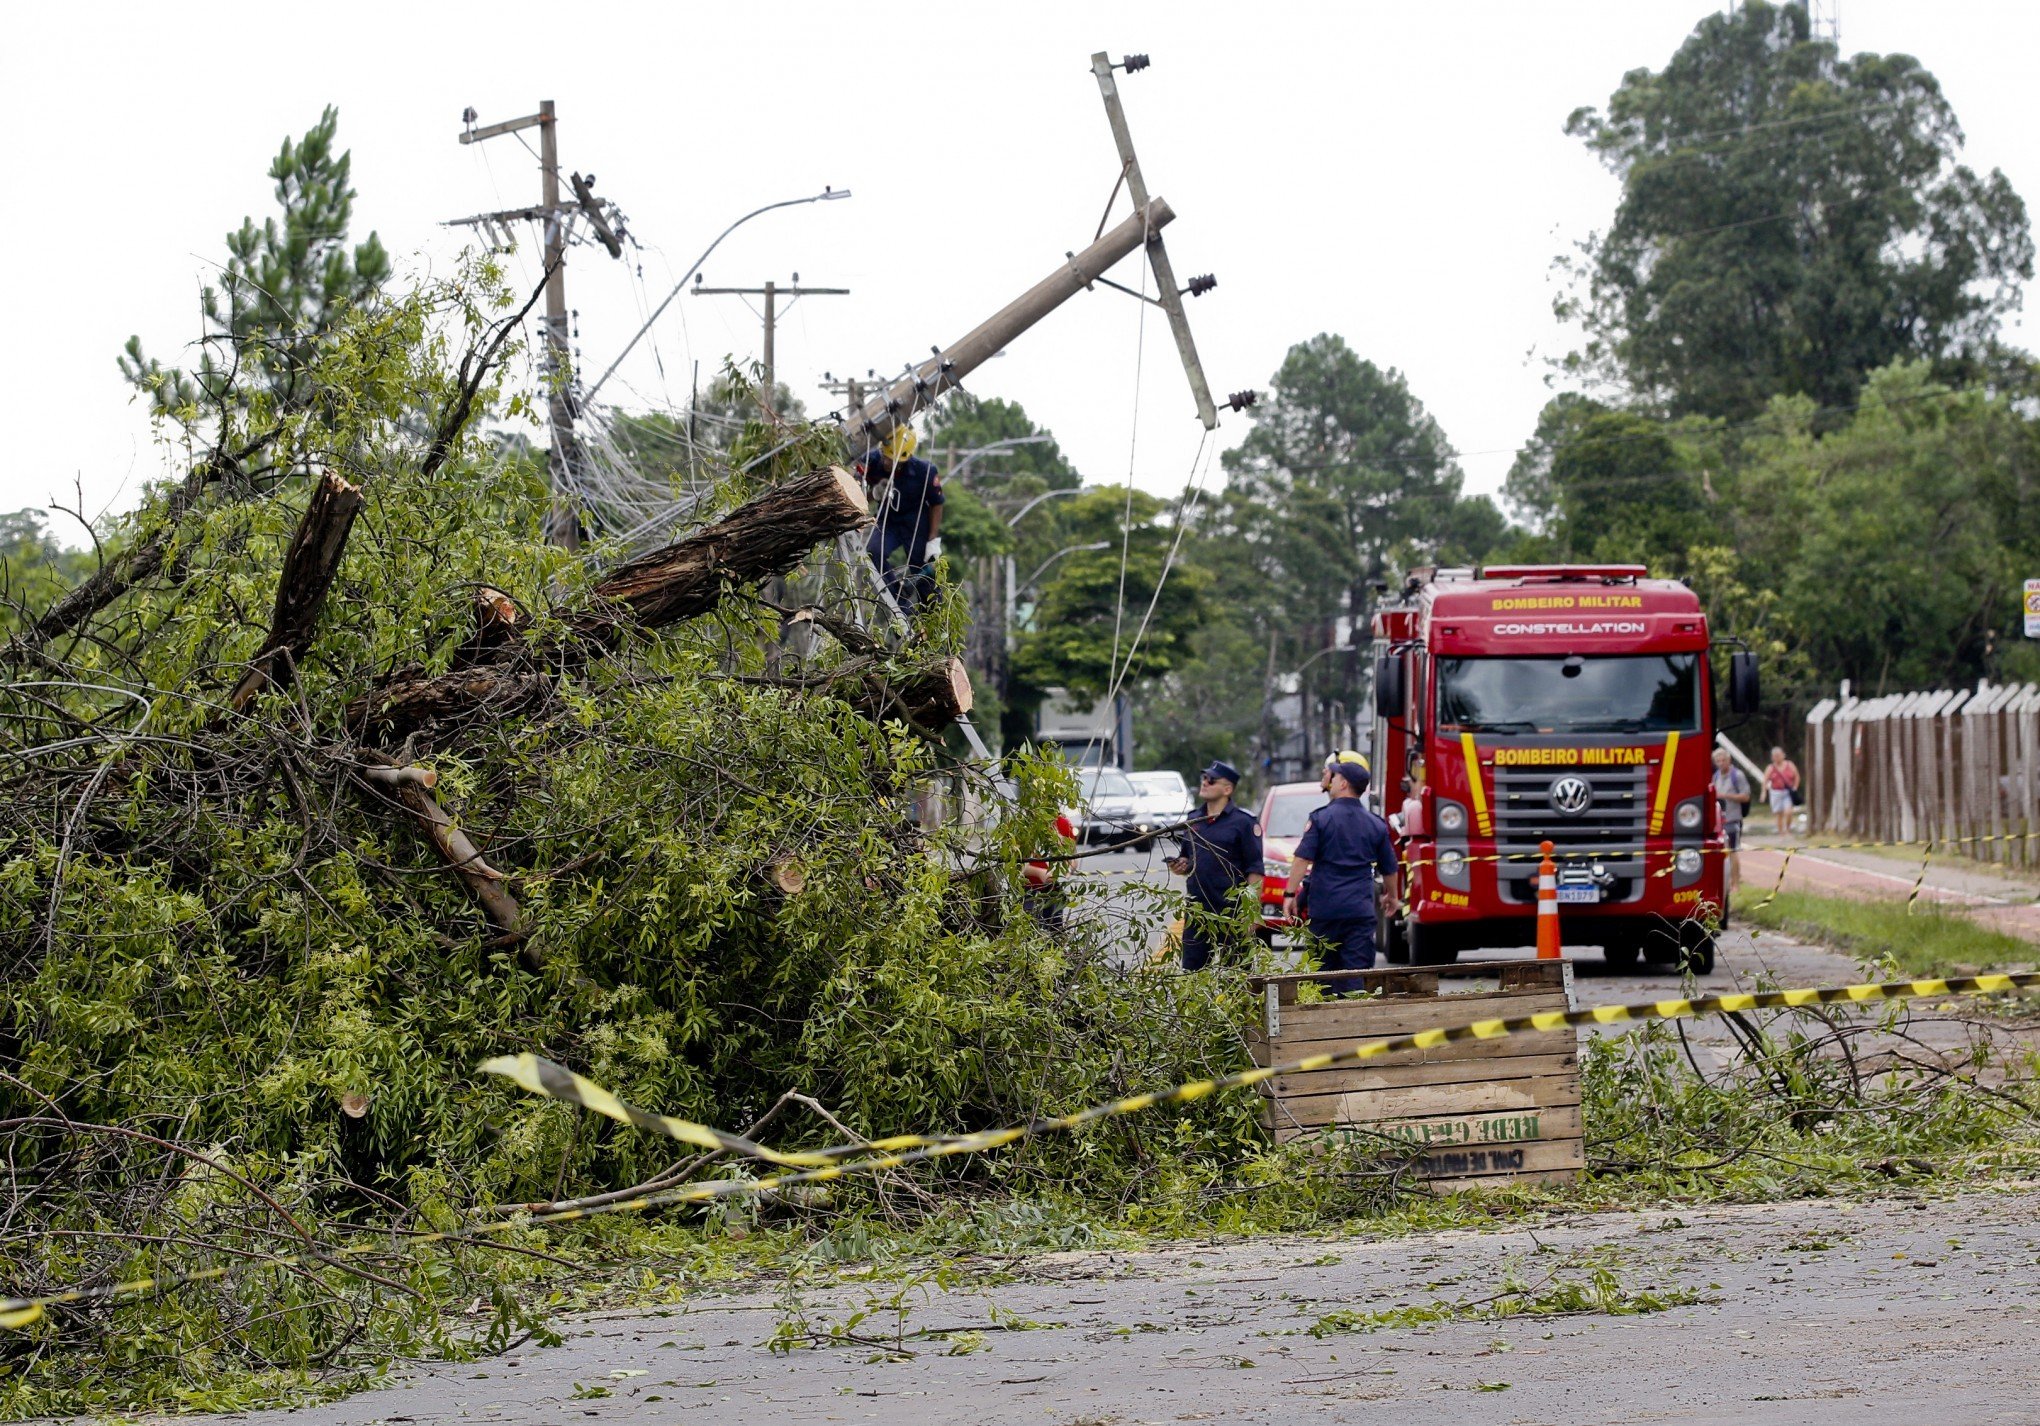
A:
(412, 788)
(309, 566)
(765, 537)
(929, 700)
(406, 704)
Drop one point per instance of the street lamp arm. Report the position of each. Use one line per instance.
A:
(1045, 495)
(1333, 649)
(994, 448)
(1035, 577)
(825, 195)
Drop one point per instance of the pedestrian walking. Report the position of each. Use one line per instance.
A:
(1732, 796)
(1221, 851)
(1781, 783)
(1342, 850)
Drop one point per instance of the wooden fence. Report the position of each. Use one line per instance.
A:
(1956, 767)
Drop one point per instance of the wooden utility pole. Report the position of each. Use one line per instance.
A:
(771, 292)
(870, 422)
(566, 462)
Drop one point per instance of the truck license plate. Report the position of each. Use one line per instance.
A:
(1588, 895)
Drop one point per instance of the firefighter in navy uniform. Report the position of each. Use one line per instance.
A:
(1221, 851)
(1340, 853)
(906, 505)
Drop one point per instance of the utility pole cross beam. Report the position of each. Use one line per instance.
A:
(771, 292)
(566, 462)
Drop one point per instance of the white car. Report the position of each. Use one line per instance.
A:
(1105, 810)
(1164, 798)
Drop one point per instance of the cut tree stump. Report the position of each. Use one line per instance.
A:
(765, 537)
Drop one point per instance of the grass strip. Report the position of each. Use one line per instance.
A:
(1928, 940)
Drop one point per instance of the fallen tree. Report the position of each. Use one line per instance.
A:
(358, 781)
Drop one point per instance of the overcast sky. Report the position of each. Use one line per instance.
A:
(1397, 174)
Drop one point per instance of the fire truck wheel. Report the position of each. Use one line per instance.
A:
(1393, 938)
(1697, 948)
(1621, 953)
(1429, 945)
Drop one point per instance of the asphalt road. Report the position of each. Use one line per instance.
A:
(1802, 1314)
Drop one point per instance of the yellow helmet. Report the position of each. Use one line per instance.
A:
(900, 445)
(1347, 756)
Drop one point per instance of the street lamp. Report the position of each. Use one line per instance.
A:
(1033, 578)
(827, 195)
(1334, 649)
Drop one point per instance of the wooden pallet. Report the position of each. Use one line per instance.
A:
(1482, 1112)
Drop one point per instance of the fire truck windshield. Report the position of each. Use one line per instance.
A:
(1643, 693)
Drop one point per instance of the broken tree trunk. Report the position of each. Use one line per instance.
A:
(309, 565)
(768, 535)
(765, 537)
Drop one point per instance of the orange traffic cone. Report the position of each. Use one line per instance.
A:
(1547, 907)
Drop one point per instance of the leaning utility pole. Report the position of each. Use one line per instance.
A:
(868, 422)
(562, 524)
(1166, 294)
(771, 292)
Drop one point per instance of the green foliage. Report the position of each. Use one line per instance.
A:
(1599, 1293)
(218, 933)
(283, 286)
(1790, 221)
(1886, 548)
(1210, 705)
(1114, 613)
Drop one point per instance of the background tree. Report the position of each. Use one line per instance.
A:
(1090, 625)
(1789, 221)
(283, 286)
(34, 567)
(1344, 477)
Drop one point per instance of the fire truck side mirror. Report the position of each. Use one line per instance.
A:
(1391, 687)
(1743, 693)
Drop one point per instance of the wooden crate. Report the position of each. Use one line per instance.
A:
(1475, 1113)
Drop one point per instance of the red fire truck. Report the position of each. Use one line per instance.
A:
(1565, 703)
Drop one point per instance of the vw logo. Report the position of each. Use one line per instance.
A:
(1570, 796)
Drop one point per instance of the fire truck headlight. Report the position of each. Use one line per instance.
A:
(1451, 817)
(1451, 862)
(1688, 860)
(1271, 866)
(1688, 816)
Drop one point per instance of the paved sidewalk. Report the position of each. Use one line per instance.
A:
(1994, 896)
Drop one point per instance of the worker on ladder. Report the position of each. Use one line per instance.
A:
(906, 503)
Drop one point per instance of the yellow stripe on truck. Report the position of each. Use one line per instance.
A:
(1473, 780)
(1664, 784)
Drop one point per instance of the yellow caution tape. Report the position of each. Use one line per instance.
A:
(903, 1150)
(542, 1076)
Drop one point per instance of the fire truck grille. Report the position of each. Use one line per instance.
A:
(1610, 829)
